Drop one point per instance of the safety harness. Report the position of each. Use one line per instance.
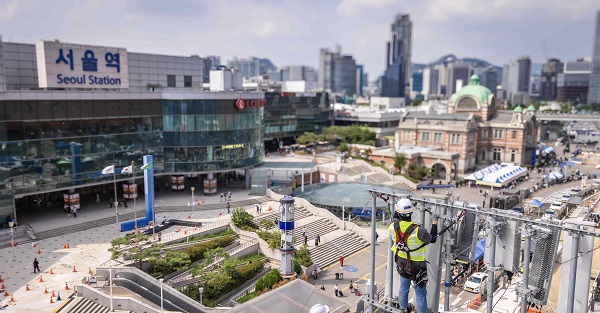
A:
(405, 268)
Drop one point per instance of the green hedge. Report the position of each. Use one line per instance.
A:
(267, 281)
(196, 252)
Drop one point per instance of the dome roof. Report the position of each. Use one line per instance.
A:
(531, 108)
(474, 89)
(518, 109)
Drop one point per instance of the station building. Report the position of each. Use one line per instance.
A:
(68, 110)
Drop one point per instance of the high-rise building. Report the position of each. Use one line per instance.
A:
(573, 83)
(247, 67)
(489, 77)
(594, 85)
(458, 72)
(210, 63)
(395, 81)
(504, 83)
(548, 79)
(337, 72)
(519, 74)
(359, 79)
(300, 72)
(417, 81)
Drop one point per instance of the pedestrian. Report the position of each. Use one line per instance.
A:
(433, 189)
(376, 236)
(58, 297)
(97, 197)
(351, 287)
(159, 237)
(306, 240)
(68, 209)
(480, 191)
(336, 290)
(303, 231)
(36, 265)
(111, 202)
(228, 207)
(118, 203)
(316, 242)
(125, 203)
(314, 274)
(222, 195)
(257, 209)
(342, 261)
(166, 186)
(457, 196)
(229, 195)
(74, 212)
(483, 204)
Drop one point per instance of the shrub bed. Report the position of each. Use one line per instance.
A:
(196, 252)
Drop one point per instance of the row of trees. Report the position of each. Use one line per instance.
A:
(355, 134)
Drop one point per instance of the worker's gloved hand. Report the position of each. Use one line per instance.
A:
(435, 217)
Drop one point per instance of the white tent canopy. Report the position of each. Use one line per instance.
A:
(496, 175)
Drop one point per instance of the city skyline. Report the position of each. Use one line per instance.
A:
(292, 33)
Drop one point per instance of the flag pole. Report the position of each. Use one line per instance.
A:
(116, 200)
(135, 195)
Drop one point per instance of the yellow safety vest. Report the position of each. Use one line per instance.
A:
(412, 242)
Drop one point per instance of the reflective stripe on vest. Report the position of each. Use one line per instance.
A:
(412, 242)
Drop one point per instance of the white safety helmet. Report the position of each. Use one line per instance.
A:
(404, 206)
(319, 308)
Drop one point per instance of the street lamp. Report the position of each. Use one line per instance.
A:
(12, 239)
(161, 294)
(117, 216)
(201, 290)
(193, 202)
(110, 287)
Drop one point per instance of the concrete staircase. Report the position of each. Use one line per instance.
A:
(82, 305)
(345, 243)
(130, 215)
(314, 226)
(299, 214)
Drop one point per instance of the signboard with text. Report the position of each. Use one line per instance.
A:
(62, 65)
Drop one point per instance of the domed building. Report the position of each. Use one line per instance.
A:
(473, 134)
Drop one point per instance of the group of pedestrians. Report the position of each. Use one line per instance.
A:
(226, 197)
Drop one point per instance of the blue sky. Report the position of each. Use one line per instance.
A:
(292, 32)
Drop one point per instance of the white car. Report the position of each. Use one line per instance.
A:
(575, 191)
(565, 198)
(475, 282)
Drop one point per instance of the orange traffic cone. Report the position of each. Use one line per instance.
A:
(68, 247)
(66, 287)
(6, 293)
(51, 272)
(195, 228)
(178, 229)
(64, 245)
(185, 232)
(33, 245)
(45, 290)
(3, 287)
(53, 294)
(1, 280)
(27, 287)
(189, 216)
(39, 251)
(90, 271)
(41, 279)
(51, 300)
(12, 299)
(74, 269)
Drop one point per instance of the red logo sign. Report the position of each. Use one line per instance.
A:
(240, 104)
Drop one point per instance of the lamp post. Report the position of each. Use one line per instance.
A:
(110, 287)
(201, 290)
(12, 239)
(134, 195)
(161, 294)
(193, 202)
(117, 215)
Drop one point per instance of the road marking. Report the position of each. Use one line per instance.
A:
(365, 276)
(455, 302)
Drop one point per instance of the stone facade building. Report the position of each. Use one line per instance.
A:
(474, 129)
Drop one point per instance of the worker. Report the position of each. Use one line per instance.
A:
(409, 249)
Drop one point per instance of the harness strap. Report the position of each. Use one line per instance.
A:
(402, 237)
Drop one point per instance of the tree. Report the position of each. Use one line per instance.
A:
(400, 161)
(307, 138)
(242, 219)
(171, 261)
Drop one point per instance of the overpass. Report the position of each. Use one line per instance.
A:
(563, 117)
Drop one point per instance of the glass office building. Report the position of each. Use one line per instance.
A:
(60, 125)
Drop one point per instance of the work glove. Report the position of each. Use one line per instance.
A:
(435, 217)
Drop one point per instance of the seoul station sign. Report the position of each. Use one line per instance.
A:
(62, 65)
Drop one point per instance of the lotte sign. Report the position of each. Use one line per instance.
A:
(240, 104)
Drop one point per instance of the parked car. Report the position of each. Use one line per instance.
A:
(573, 192)
(565, 198)
(475, 282)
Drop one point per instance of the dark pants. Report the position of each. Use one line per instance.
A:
(36, 268)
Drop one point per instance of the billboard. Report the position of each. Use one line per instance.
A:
(63, 65)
